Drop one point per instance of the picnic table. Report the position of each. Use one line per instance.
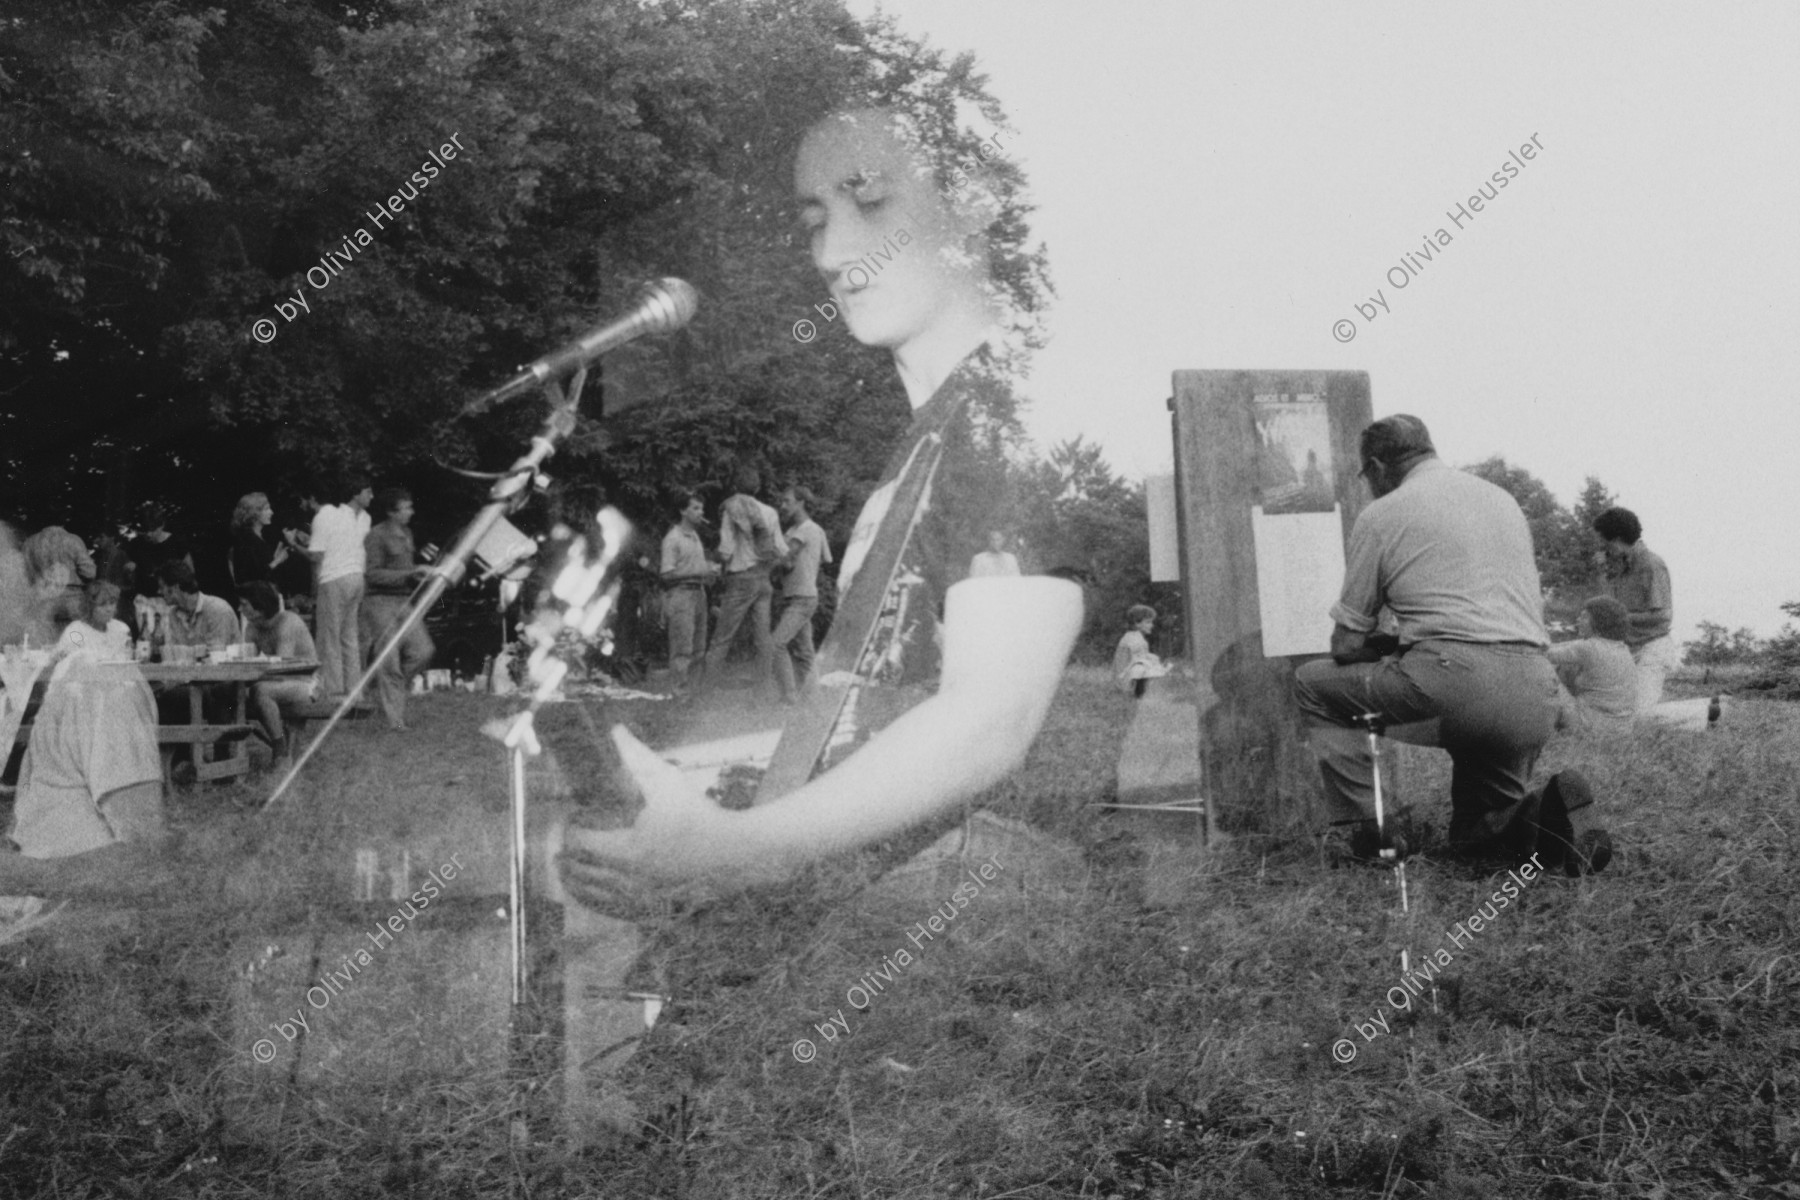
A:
(197, 733)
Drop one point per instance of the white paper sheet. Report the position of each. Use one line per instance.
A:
(1299, 575)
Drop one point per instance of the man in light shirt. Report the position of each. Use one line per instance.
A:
(995, 560)
(1450, 556)
(807, 550)
(685, 573)
(1639, 579)
(336, 545)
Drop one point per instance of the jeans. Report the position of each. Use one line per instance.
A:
(747, 593)
(340, 650)
(380, 614)
(793, 638)
(684, 612)
(1491, 706)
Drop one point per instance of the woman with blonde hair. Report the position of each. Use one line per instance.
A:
(253, 559)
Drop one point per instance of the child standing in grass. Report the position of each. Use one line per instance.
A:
(1133, 664)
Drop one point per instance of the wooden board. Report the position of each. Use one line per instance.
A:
(1255, 765)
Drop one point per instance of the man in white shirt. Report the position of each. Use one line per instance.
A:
(336, 546)
(995, 560)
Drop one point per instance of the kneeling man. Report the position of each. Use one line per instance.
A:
(1450, 555)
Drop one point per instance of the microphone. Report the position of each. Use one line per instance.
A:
(662, 307)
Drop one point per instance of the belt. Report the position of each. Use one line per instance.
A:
(678, 586)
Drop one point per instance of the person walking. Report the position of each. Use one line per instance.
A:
(807, 551)
(391, 574)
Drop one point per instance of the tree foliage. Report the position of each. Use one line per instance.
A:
(1073, 511)
(1569, 553)
(184, 167)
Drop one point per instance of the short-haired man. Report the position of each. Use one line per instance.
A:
(195, 619)
(685, 573)
(750, 543)
(336, 545)
(995, 560)
(1450, 556)
(1639, 580)
(807, 550)
(153, 547)
(391, 575)
(280, 633)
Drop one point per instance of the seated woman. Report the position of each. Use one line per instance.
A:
(276, 631)
(1597, 671)
(1133, 663)
(88, 817)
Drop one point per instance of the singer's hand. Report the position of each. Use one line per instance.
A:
(680, 837)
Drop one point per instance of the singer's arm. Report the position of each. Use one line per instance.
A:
(1006, 640)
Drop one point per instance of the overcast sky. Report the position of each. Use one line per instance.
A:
(1218, 185)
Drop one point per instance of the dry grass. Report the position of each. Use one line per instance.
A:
(1092, 1032)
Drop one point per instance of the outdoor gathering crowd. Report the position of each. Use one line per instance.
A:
(1438, 635)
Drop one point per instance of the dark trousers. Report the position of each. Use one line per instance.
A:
(684, 615)
(748, 593)
(1491, 706)
(381, 614)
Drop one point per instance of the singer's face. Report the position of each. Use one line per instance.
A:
(890, 247)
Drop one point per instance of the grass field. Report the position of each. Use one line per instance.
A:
(1079, 1029)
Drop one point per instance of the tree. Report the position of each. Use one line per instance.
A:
(191, 171)
(1075, 512)
(1568, 551)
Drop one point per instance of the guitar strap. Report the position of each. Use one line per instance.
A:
(871, 630)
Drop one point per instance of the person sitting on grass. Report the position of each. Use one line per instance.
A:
(88, 816)
(1599, 678)
(279, 633)
(1133, 663)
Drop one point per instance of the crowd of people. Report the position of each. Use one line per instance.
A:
(766, 562)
